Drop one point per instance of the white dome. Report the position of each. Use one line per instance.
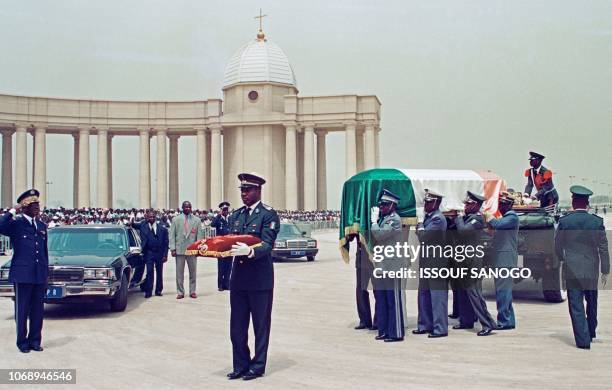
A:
(256, 61)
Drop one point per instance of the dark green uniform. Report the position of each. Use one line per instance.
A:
(582, 247)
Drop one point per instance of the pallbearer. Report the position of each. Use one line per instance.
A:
(505, 255)
(472, 305)
(582, 246)
(433, 292)
(386, 230)
(252, 279)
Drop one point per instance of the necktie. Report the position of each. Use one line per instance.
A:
(33, 224)
(153, 229)
(248, 212)
(186, 225)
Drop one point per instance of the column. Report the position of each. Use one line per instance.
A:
(162, 170)
(360, 148)
(321, 171)
(110, 170)
(202, 202)
(102, 195)
(173, 174)
(370, 146)
(40, 164)
(377, 149)
(310, 189)
(291, 196)
(351, 150)
(75, 171)
(21, 160)
(7, 168)
(84, 165)
(216, 176)
(144, 170)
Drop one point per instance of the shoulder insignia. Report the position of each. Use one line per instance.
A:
(267, 207)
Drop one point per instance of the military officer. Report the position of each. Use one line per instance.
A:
(29, 268)
(252, 279)
(582, 247)
(541, 178)
(224, 265)
(472, 305)
(386, 230)
(505, 255)
(433, 292)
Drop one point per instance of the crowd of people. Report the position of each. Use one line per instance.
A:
(84, 216)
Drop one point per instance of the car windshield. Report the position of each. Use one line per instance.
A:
(288, 229)
(80, 241)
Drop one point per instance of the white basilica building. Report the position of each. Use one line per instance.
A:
(262, 125)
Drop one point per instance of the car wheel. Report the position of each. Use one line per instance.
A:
(310, 258)
(552, 286)
(119, 301)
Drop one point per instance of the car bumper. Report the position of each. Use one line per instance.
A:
(294, 253)
(85, 290)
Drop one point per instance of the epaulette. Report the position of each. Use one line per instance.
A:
(265, 206)
(238, 211)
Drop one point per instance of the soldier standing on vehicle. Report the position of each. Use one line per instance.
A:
(582, 247)
(541, 178)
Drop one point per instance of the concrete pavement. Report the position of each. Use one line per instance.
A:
(165, 343)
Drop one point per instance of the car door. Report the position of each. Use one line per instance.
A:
(134, 256)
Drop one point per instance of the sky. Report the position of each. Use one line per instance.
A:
(463, 84)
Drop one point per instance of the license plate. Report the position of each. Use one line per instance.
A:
(298, 253)
(55, 292)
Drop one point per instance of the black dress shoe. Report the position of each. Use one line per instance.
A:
(505, 327)
(250, 375)
(437, 335)
(373, 327)
(148, 295)
(37, 349)
(463, 326)
(453, 316)
(420, 331)
(380, 337)
(234, 375)
(393, 339)
(581, 347)
(361, 326)
(24, 350)
(485, 332)
(219, 289)
(158, 294)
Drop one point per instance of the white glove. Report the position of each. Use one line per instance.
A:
(374, 213)
(240, 249)
(604, 279)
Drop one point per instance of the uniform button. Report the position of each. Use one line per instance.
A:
(36, 251)
(241, 261)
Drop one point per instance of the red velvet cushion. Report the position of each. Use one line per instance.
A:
(221, 245)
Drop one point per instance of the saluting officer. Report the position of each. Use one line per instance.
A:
(433, 292)
(472, 305)
(224, 266)
(541, 178)
(29, 267)
(505, 241)
(252, 279)
(386, 230)
(582, 246)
